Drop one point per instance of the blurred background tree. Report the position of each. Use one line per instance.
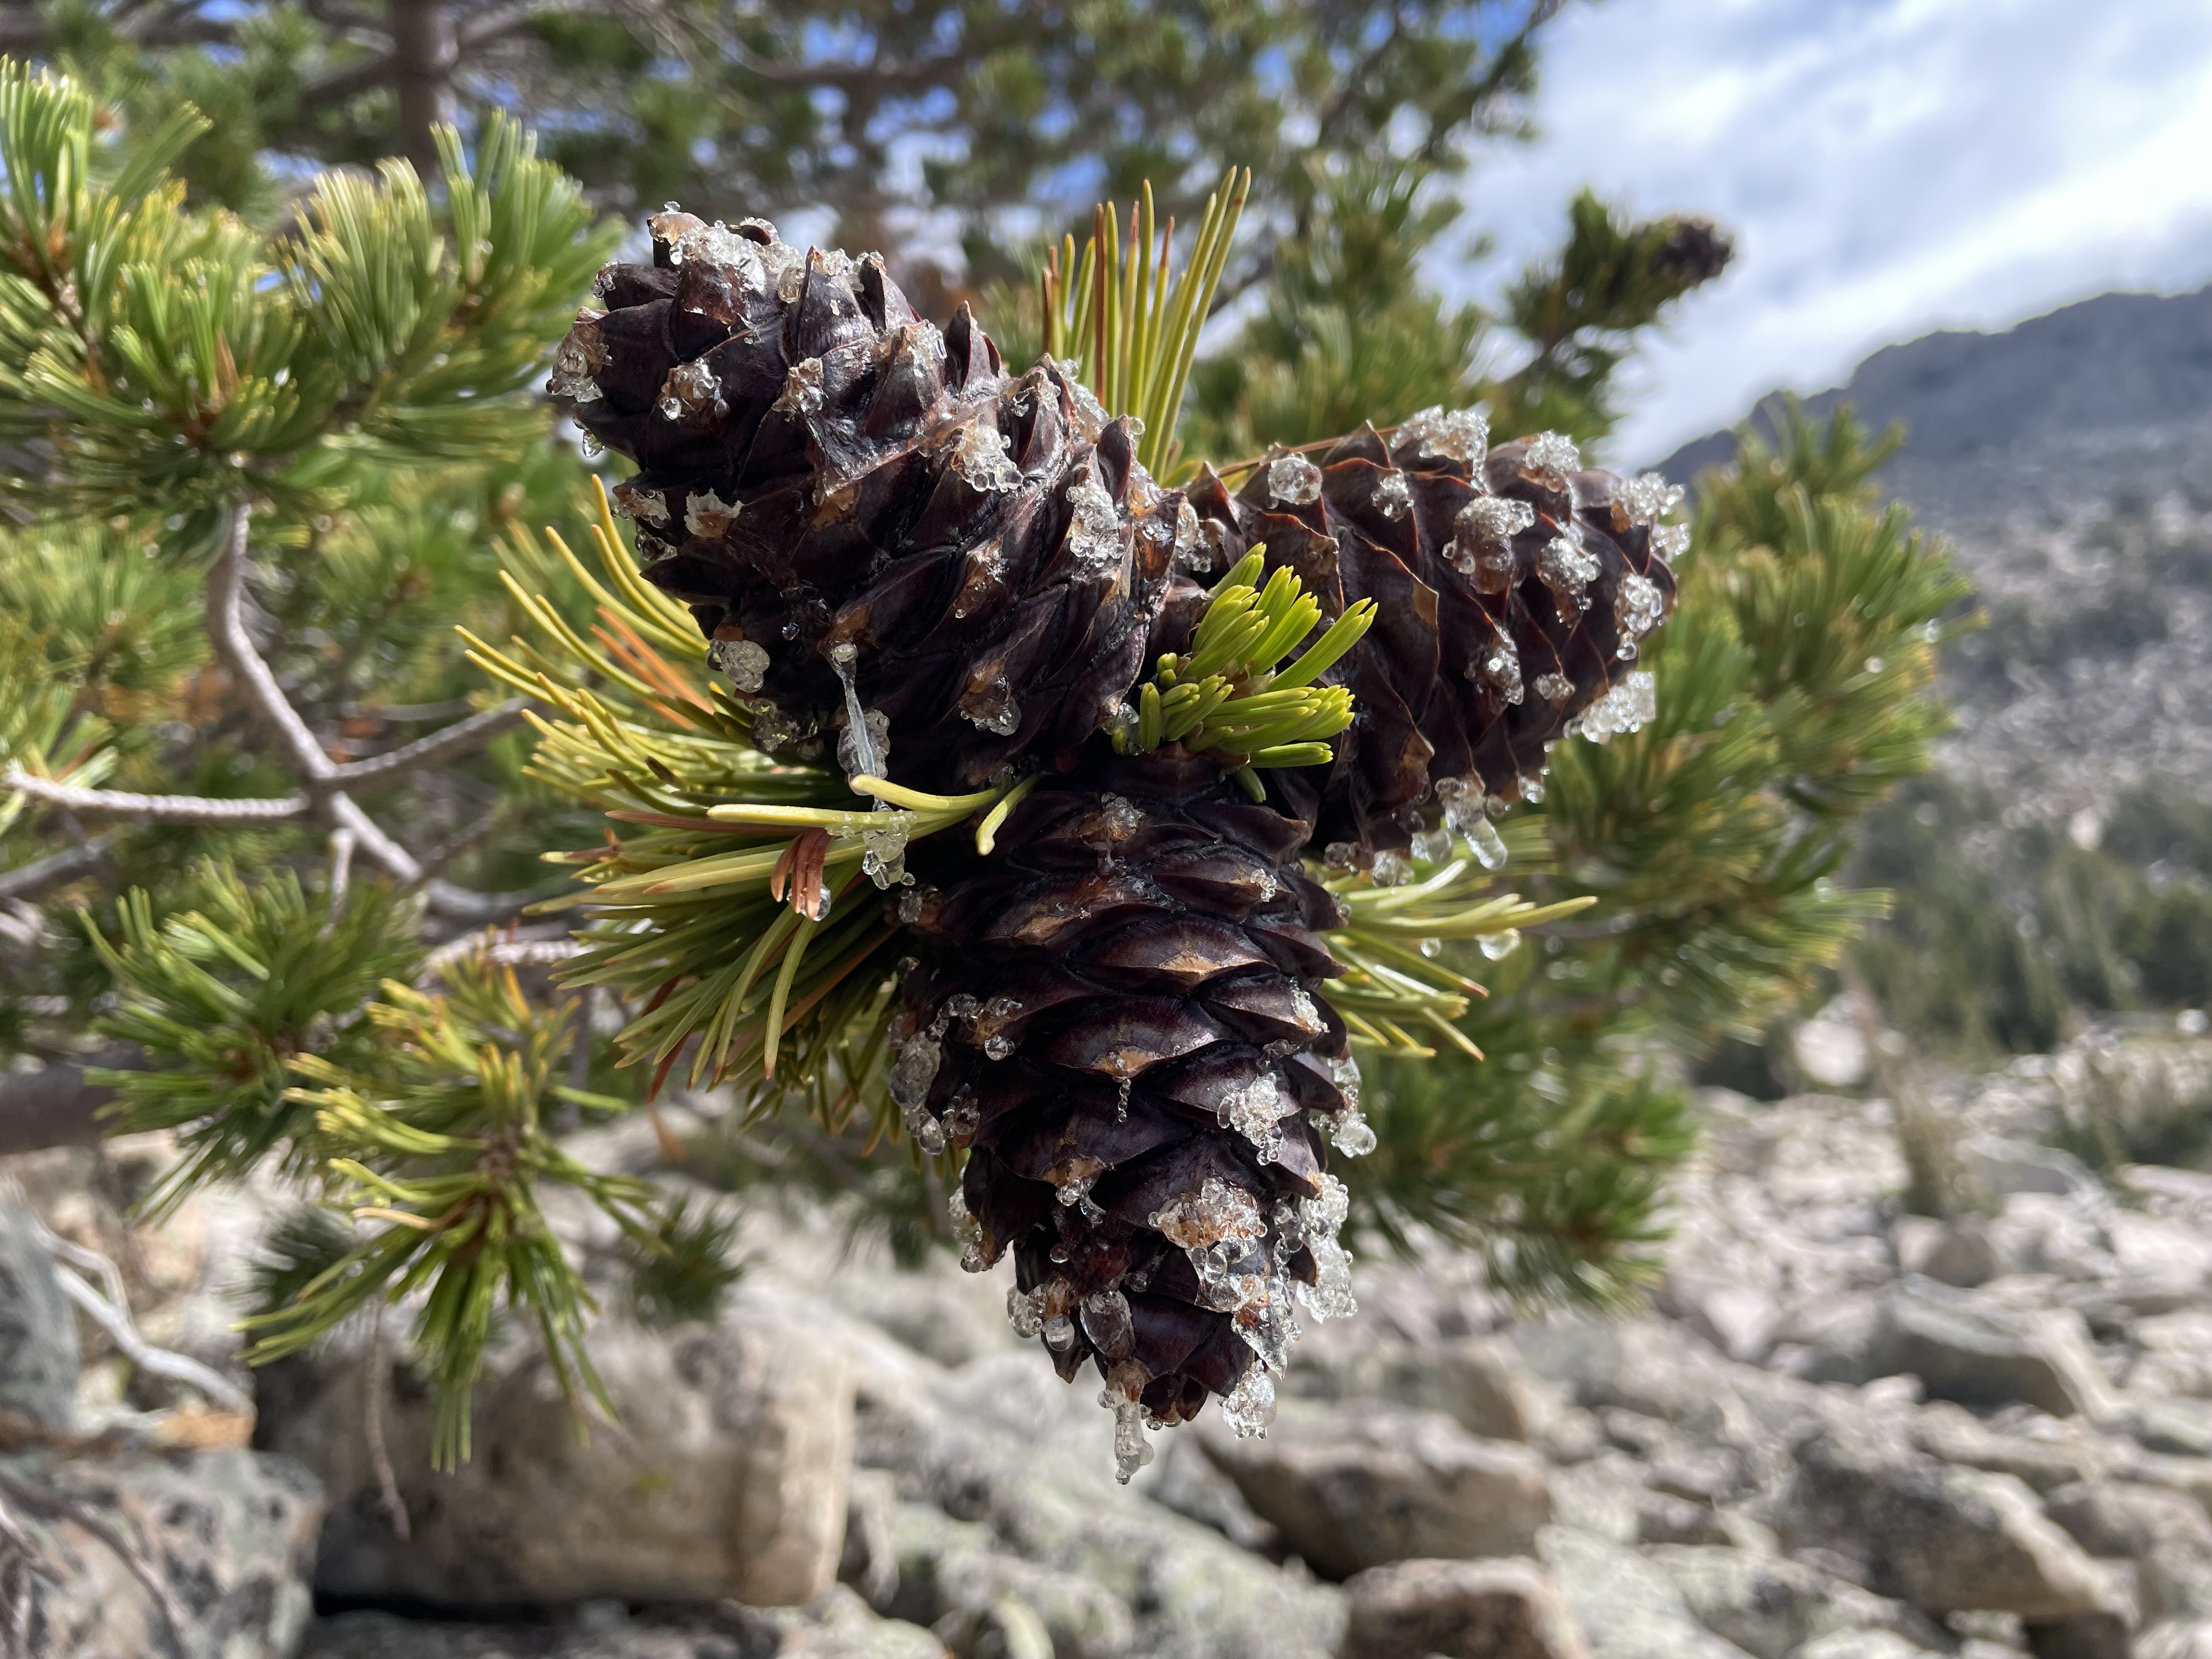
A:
(327, 420)
(952, 130)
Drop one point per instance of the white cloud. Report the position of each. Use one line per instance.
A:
(1888, 165)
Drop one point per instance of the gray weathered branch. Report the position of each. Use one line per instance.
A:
(399, 862)
(324, 777)
(465, 904)
(166, 809)
(58, 1106)
(112, 1312)
(42, 876)
(454, 741)
(226, 620)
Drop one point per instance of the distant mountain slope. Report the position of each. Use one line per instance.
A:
(2110, 396)
(2070, 460)
(2060, 863)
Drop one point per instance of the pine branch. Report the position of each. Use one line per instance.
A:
(42, 876)
(111, 1313)
(225, 620)
(348, 815)
(325, 778)
(446, 898)
(60, 1106)
(450, 744)
(465, 904)
(160, 809)
(496, 946)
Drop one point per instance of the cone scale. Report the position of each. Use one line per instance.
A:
(939, 573)
(1514, 586)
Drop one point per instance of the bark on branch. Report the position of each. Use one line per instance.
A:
(42, 876)
(226, 620)
(164, 809)
(324, 777)
(453, 741)
(58, 1106)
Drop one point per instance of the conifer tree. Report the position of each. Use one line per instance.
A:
(907, 122)
(258, 478)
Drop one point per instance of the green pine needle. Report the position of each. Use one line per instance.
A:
(685, 1269)
(305, 1243)
(694, 903)
(222, 998)
(1226, 695)
(1129, 320)
(439, 1143)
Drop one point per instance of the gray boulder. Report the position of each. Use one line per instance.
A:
(2175, 1352)
(1353, 1488)
(1770, 1606)
(1006, 1444)
(2005, 1166)
(2179, 1428)
(2167, 1536)
(1604, 1495)
(1961, 1253)
(2191, 1476)
(1508, 1610)
(1953, 1435)
(1188, 1481)
(840, 1626)
(953, 1577)
(1861, 1644)
(1965, 1347)
(221, 1547)
(1626, 1607)
(1480, 1381)
(2186, 1638)
(1945, 1538)
(724, 1474)
(1834, 1338)
(37, 1328)
(2106, 1635)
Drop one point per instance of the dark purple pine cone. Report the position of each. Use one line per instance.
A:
(1118, 1015)
(878, 528)
(1513, 586)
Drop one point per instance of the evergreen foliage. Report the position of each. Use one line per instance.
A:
(685, 1270)
(226, 999)
(441, 1148)
(259, 476)
(1794, 692)
(2014, 930)
(910, 122)
(2008, 935)
(1351, 334)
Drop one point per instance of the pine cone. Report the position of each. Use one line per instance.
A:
(1513, 586)
(879, 530)
(1116, 1015)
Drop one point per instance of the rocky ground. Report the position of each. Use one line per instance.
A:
(1840, 1432)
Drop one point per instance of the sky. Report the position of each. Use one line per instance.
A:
(1887, 166)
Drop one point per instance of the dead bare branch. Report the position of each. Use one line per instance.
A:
(112, 1312)
(453, 741)
(42, 876)
(162, 809)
